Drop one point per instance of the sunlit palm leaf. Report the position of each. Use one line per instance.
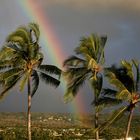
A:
(6, 53)
(22, 32)
(124, 95)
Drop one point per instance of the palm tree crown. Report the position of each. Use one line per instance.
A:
(87, 66)
(21, 58)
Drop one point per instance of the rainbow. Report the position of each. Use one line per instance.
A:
(35, 13)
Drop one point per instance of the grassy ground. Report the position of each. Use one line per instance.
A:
(61, 127)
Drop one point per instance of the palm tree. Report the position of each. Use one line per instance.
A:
(87, 67)
(21, 61)
(126, 81)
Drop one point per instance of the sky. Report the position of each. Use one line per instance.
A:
(70, 20)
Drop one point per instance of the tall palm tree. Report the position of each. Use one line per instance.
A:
(87, 67)
(21, 62)
(125, 79)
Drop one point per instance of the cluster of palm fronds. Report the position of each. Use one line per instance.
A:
(89, 66)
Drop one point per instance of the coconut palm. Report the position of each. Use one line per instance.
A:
(125, 79)
(21, 62)
(87, 67)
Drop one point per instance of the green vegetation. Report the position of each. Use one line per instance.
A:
(61, 127)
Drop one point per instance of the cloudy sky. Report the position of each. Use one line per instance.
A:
(72, 19)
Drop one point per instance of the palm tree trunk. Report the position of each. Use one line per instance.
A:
(96, 124)
(29, 110)
(129, 123)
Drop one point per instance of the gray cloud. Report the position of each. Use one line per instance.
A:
(102, 4)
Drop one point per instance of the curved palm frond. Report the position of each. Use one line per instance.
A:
(10, 73)
(35, 82)
(74, 61)
(71, 73)
(10, 84)
(21, 32)
(6, 53)
(73, 87)
(114, 80)
(35, 28)
(49, 80)
(108, 101)
(51, 69)
(116, 115)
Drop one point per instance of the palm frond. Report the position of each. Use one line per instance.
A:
(86, 47)
(18, 52)
(128, 66)
(35, 82)
(136, 65)
(21, 32)
(10, 73)
(50, 69)
(73, 87)
(92, 63)
(107, 101)
(114, 80)
(71, 73)
(74, 61)
(23, 81)
(9, 85)
(5, 64)
(124, 95)
(109, 92)
(49, 80)
(100, 54)
(6, 53)
(116, 115)
(103, 40)
(35, 28)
